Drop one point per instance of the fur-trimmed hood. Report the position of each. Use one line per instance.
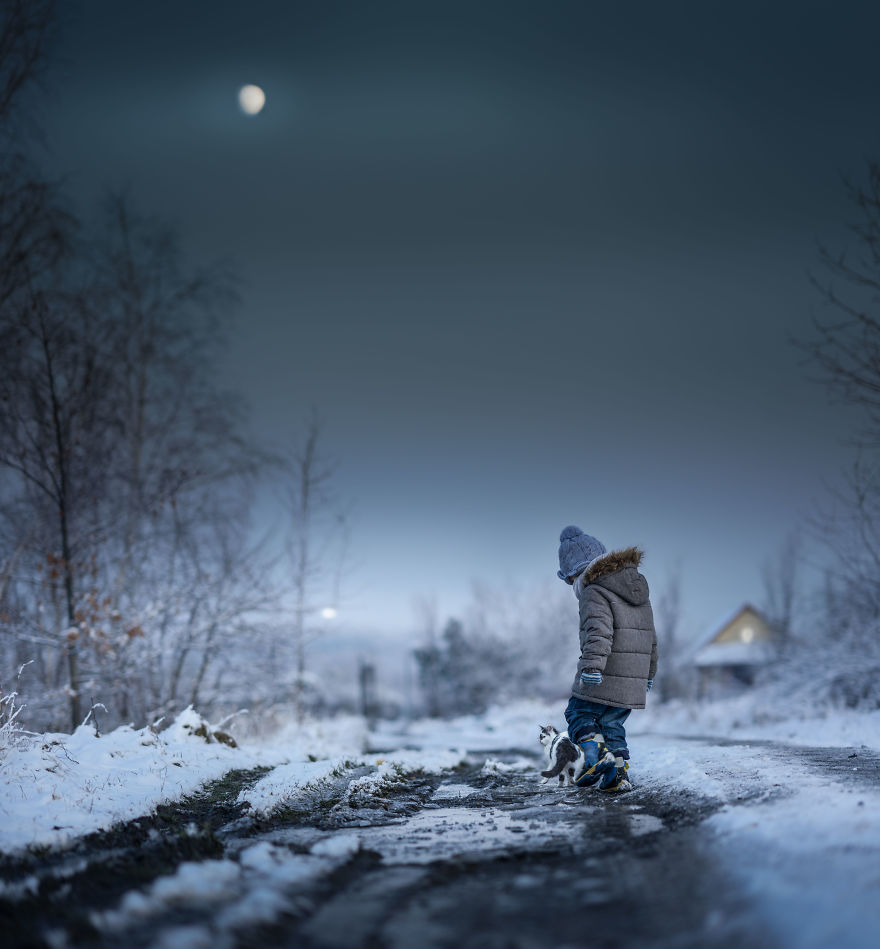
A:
(617, 571)
(613, 561)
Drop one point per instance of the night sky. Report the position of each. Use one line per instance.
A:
(535, 264)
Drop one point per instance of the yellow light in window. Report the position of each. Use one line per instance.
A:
(747, 634)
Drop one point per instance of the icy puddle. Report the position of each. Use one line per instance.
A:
(641, 824)
(282, 876)
(453, 792)
(452, 832)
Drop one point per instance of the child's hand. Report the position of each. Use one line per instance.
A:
(591, 678)
(650, 684)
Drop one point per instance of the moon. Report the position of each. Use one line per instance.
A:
(251, 99)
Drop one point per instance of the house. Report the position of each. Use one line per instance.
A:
(730, 655)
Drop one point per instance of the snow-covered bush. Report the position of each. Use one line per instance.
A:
(10, 732)
(457, 674)
(12, 735)
(511, 644)
(857, 688)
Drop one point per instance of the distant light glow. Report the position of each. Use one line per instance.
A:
(251, 99)
(748, 634)
(328, 612)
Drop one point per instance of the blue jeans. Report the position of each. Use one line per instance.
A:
(586, 718)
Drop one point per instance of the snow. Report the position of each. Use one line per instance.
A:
(760, 714)
(494, 766)
(338, 846)
(755, 715)
(456, 832)
(245, 891)
(804, 844)
(512, 727)
(280, 785)
(286, 784)
(61, 786)
(809, 859)
(57, 787)
(320, 738)
(453, 792)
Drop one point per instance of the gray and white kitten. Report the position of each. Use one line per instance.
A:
(565, 758)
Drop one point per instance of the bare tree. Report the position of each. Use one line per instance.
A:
(25, 36)
(35, 244)
(35, 232)
(780, 577)
(183, 572)
(846, 345)
(668, 615)
(427, 618)
(33, 229)
(845, 349)
(53, 433)
(849, 530)
(130, 462)
(317, 546)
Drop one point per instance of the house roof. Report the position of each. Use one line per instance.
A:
(707, 652)
(734, 654)
(718, 627)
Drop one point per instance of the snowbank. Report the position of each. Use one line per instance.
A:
(55, 787)
(761, 714)
(755, 715)
(58, 786)
(809, 861)
(289, 782)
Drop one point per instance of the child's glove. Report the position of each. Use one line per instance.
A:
(650, 684)
(591, 678)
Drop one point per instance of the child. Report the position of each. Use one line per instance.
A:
(618, 653)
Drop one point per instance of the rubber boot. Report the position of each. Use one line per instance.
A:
(616, 778)
(598, 761)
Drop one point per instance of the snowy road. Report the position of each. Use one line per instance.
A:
(722, 843)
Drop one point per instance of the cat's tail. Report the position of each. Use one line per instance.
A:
(554, 770)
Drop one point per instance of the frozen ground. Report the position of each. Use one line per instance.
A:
(438, 834)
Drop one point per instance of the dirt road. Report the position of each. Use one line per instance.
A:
(480, 856)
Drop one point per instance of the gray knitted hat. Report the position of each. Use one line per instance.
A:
(577, 551)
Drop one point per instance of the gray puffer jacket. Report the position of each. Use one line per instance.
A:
(616, 631)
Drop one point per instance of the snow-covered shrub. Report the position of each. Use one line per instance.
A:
(190, 723)
(10, 732)
(458, 674)
(857, 688)
(12, 735)
(512, 643)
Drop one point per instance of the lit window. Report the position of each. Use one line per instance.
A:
(747, 635)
